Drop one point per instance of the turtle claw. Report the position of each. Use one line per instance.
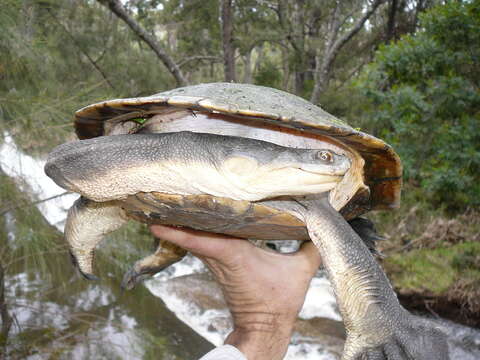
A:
(85, 275)
(89, 276)
(133, 277)
(130, 280)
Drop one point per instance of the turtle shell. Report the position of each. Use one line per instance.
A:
(382, 169)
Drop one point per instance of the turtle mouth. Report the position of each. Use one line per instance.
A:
(336, 175)
(288, 181)
(323, 178)
(310, 176)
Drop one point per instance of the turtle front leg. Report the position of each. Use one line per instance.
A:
(378, 327)
(87, 224)
(165, 255)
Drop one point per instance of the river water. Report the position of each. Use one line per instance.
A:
(178, 315)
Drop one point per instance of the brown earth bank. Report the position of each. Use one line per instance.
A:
(440, 306)
(434, 264)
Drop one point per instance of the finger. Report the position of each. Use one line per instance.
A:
(311, 253)
(199, 243)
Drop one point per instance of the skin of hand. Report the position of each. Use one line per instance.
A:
(264, 290)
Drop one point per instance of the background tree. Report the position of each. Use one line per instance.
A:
(335, 41)
(6, 319)
(227, 22)
(424, 98)
(119, 10)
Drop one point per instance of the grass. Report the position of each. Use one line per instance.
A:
(33, 241)
(430, 252)
(435, 270)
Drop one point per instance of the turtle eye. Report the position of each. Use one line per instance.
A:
(325, 156)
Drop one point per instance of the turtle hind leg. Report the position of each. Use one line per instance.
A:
(87, 223)
(166, 254)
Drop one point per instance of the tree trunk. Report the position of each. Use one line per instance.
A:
(391, 23)
(321, 77)
(117, 8)
(226, 12)
(323, 68)
(286, 69)
(4, 315)
(258, 61)
(247, 64)
(298, 43)
(421, 6)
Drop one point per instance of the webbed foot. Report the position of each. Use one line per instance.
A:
(165, 255)
(414, 339)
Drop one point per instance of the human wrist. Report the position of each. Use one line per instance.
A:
(260, 344)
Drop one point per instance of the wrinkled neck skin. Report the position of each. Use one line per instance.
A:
(365, 297)
(378, 327)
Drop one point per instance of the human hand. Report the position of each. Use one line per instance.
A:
(264, 290)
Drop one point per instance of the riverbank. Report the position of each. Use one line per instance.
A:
(433, 263)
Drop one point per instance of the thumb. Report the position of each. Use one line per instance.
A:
(199, 243)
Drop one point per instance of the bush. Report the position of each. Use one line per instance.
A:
(423, 98)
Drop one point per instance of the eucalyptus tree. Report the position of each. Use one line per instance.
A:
(149, 38)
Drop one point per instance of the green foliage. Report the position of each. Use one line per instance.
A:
(423, 98)
(467, 260)
(268, 74)
(33, 239)
(59, 56)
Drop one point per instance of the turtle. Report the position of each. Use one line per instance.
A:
(247, 161)
(236, 110)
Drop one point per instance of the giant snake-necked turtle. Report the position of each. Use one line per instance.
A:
(243, 111)
(242, 160)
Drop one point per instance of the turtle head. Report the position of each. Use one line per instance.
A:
(286, 171)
